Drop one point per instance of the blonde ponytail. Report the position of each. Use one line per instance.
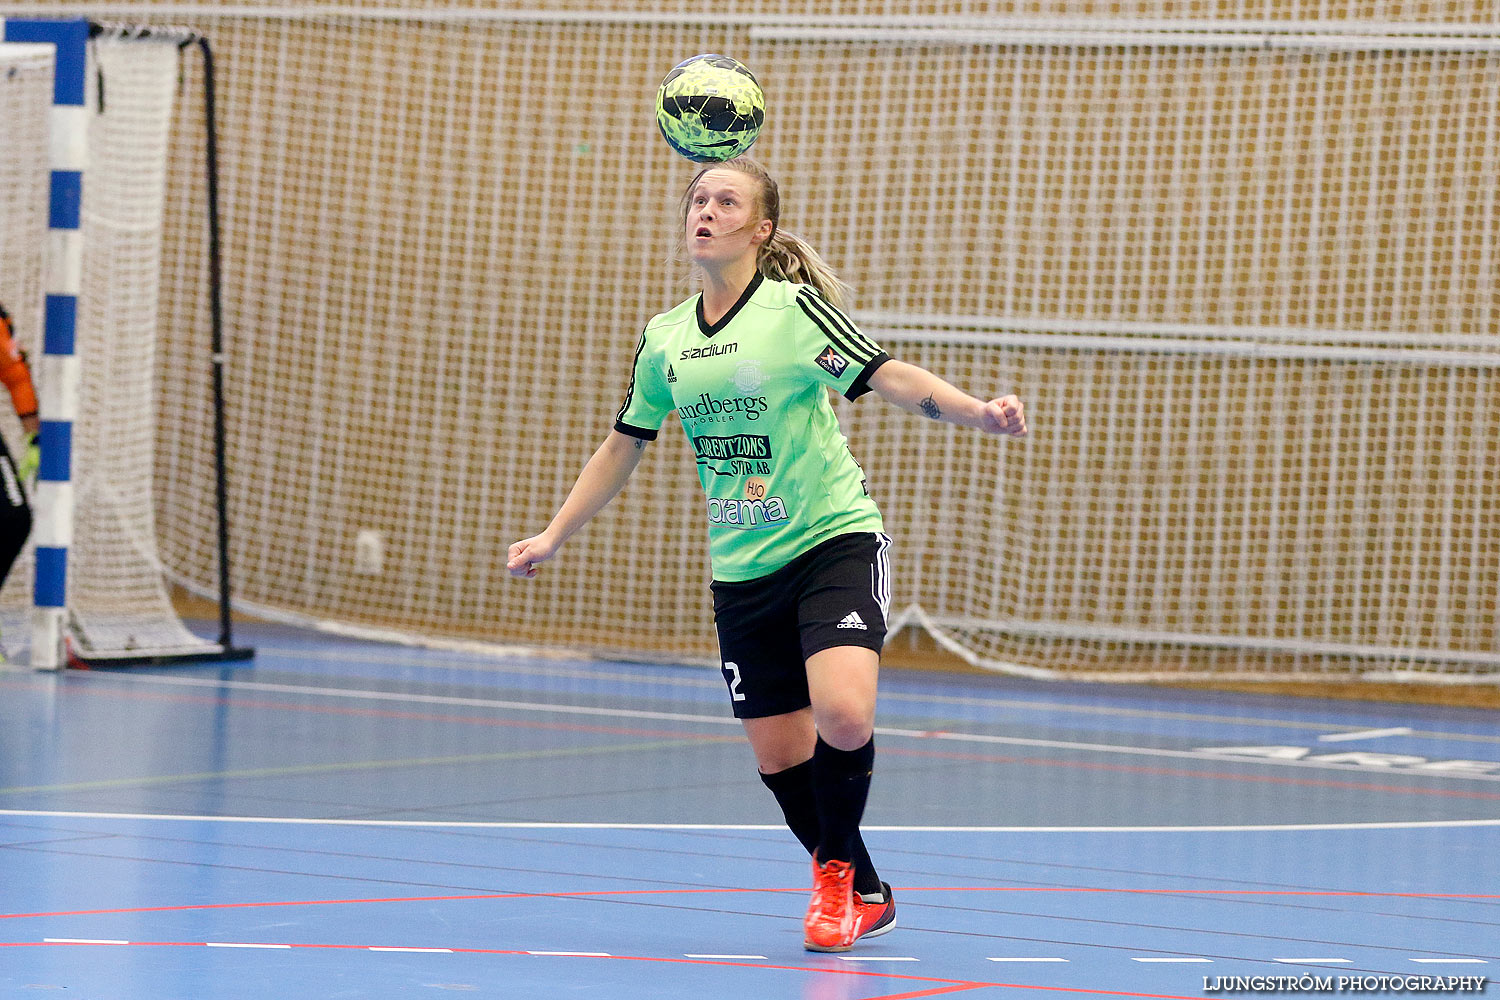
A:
(788, 257)
(785, 256)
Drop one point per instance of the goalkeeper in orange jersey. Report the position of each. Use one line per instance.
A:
(15, 512)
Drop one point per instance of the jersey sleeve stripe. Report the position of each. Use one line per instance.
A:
(644, 433)
(844, 323)
(630, 389)
(861, 383)
(859, 355)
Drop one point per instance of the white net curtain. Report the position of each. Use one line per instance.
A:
(1247, 288)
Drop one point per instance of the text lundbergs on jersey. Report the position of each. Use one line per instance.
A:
(706, 407)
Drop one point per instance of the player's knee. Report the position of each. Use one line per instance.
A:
(773, 760)
(846, 726)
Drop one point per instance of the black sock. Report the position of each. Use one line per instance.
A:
(841, 783)
(793, 789)
(794, 793)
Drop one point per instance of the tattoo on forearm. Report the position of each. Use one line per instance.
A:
(640, 444)
(930, 408)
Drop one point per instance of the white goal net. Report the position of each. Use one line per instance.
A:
(118, 603)
(1245, 278)
(118, 607)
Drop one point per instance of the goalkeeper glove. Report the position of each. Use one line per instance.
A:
(31, 459)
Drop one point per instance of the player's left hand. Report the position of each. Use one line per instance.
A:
(1005, 415)
(31, 459)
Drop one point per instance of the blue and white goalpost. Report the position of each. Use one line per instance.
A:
(57, 377)
(99, 587)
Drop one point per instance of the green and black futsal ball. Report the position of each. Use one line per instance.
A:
(710, 108)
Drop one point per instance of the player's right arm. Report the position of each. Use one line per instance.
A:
(601, 480)
(647, 401)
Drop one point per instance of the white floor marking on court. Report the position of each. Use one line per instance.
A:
(83, 941)
(1436, 824)
(713, 681)
(1315, 961)
(573, 954)
(1451, 961)
(588, 668)
(1026, 960)
(1366, 734)
(433, 951)
(1173, 961)
(241, 944)
(365, 694)
(760, 957)
(360, 694)
(507, 659)
(876, 958)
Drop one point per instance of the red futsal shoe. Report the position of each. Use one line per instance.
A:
(831, 917)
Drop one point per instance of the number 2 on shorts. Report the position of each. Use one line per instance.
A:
(732, 674)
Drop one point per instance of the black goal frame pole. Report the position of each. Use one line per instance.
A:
(186, 37)
(216, 355)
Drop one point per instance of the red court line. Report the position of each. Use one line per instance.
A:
(946, 985)
(606, 893)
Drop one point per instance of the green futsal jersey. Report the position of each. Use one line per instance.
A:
(751, 393)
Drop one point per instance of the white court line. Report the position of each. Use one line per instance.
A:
(1315, 961)
(363, 694)
(420, 824)
(1173, 961)
(760, 957)
(516, 664)
(1451, 961)
(359, 694)
(424, 951)
(876, 958)
(1026, 960)
(572, 954)
(83, 941)
(241, 944)
(1365, 734)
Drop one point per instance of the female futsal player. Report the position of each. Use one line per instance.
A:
(801, 582)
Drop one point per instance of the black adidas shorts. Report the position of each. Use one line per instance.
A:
(834, 594)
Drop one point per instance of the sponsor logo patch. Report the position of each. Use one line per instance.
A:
(831, 362)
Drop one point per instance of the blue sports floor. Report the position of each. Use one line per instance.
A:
(345, 819)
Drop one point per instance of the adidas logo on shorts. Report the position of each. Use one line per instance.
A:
(853, 620)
